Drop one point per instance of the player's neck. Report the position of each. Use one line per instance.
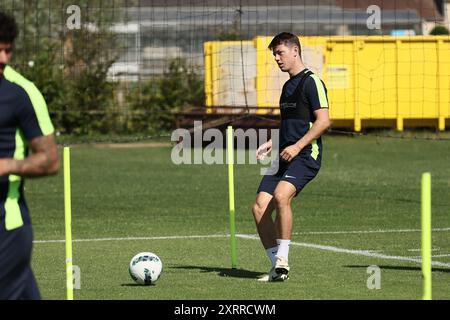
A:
(299, 67)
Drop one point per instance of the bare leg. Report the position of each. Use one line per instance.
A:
(283, 195)
(262, 213)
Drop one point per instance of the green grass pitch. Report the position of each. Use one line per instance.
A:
(365, 184)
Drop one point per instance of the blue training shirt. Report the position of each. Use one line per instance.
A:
(23, 117)
(297, 106)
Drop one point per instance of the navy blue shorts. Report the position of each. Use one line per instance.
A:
(17, 281)
(301, 170)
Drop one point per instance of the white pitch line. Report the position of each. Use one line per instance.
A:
(136, 238)
(441, 256)
(370, 231)
(366, 253)
(355, 252)
(418, 250)
(222, 235)
(435, 256)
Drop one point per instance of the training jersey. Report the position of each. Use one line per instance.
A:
(302, 94)
(23, 117)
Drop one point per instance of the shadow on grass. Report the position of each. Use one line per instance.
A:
(387, 198)
(136, 285)
(401, 268)
(224, 272)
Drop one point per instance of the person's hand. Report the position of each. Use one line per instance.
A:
(5, 167)
(290, 153)
(263, 150)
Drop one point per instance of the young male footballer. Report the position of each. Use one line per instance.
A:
(304, 118)
(24, 126)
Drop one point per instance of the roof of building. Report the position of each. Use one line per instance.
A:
(234, 3)
(427, 9)
(424, 9)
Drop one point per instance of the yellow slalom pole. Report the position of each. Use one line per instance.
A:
(68, 223)
(426, 235)
(230, 152)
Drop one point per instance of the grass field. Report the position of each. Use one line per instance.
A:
(363, 209)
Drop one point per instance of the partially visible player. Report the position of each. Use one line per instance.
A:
(24, 125)
(304, 118)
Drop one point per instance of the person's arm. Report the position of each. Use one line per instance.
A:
(43, 161)
(319, 126)
(37, 131)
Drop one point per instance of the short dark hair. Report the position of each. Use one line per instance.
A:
(286, 38)
(8, 28)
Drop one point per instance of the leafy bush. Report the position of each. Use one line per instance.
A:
(70, 68)
(439, 30)
(153, 105)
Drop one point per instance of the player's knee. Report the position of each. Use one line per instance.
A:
(257, 210)
(281, 199)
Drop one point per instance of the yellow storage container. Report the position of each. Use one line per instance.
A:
(371, 81)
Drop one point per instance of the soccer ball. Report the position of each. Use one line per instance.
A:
(145, 268)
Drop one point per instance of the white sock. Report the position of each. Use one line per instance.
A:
(271, 253)
(283, 248)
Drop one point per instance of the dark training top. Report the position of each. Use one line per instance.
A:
(302, 94)
(23, 117)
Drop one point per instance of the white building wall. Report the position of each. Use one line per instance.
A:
(447, 14)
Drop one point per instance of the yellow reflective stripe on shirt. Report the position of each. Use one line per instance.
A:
(314, 146)
(37, 100)
(320, 91)
(13, 215)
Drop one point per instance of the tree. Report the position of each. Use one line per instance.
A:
(155, 103)
(439, 30)
(68, 65)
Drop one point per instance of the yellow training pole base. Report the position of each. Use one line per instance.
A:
(426, 235)
(68, 223)
(230, 154)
